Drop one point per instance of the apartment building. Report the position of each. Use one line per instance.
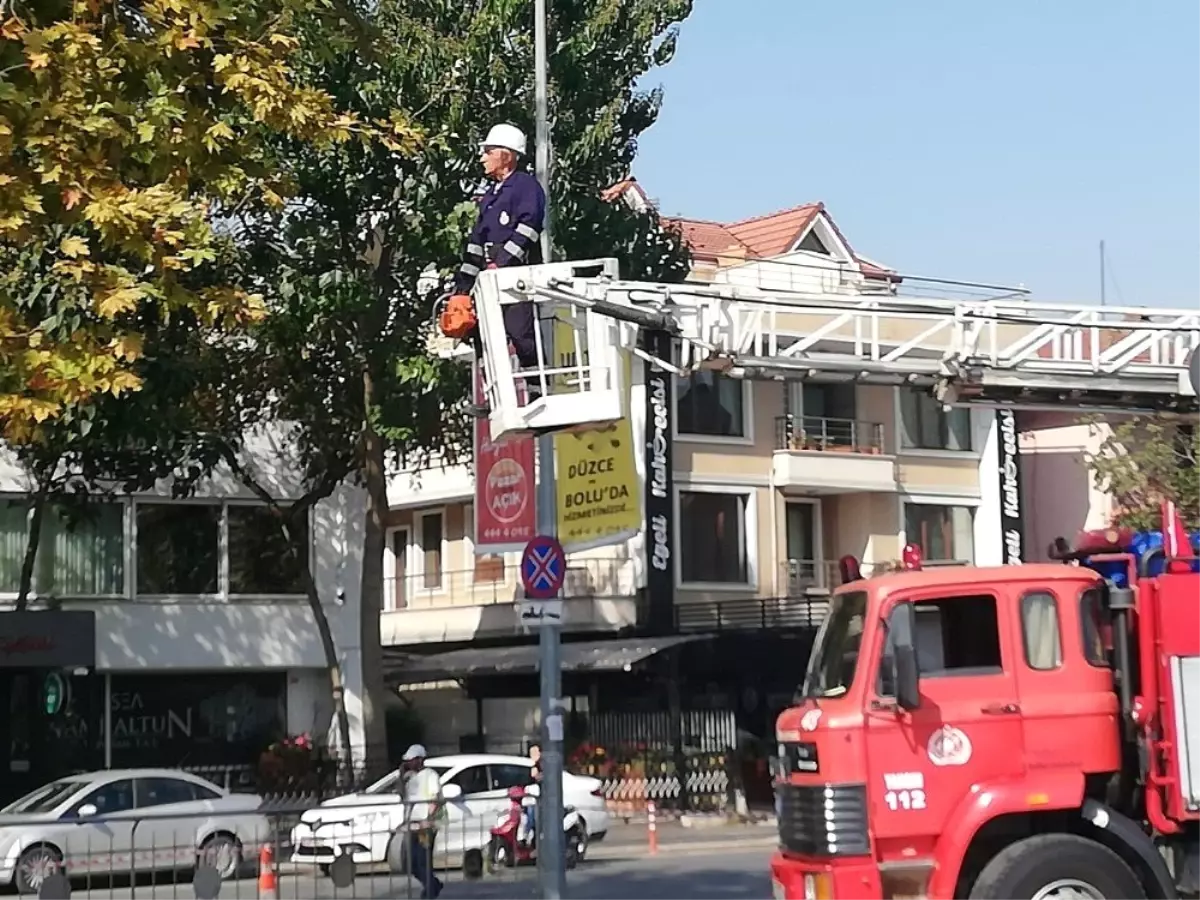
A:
(173, 631)
(774, 480)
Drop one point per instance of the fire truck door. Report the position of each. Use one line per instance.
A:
(1067, 703)
(967, 729)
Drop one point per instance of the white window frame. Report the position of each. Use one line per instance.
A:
(977, 440)
(222, 594)
(972, 503)
(417, 560)
(127, 561)
(129, 593)
(506, 559)
(746, 440)
(389, 563)
(750, 537)
(818, 534)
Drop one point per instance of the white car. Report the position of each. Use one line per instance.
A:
(122, 819)
(475, 787)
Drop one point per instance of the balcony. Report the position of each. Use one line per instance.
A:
(832, 456)
(461, 605)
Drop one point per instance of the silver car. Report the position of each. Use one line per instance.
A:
(125, 821)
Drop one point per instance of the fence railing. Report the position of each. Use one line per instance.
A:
(241, 846)
(494, 580)
(828, 434)
(751, 613)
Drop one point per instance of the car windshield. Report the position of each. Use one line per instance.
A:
(390, 783)
(44, 799)
(835, 652)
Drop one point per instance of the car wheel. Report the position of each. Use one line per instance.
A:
(500, 855)
(35, 865)
(397, 853)
(581, 840)
(222, 852)
(473, 865)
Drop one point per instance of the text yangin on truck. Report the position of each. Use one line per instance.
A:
(1026, 731)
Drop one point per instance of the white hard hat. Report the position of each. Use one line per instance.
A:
(510, 137)
(416, 751)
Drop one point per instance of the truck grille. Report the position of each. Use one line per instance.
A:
(824, 820)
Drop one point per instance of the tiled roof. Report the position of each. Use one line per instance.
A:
(761, 237)
(776, 233)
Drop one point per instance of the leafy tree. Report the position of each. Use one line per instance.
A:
(344, 347)
(124, 128)
(1145, 460)
(130, 134)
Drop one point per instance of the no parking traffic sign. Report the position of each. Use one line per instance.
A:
(543, 568)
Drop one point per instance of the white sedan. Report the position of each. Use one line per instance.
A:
(475, 787)
(123, 819)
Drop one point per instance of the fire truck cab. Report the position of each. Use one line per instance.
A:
(1020, 731)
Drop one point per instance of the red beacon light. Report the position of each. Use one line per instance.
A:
(849, 569)
(911, 558)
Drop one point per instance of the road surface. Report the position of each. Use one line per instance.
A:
(697, 871)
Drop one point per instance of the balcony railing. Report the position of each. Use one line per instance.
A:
(822, 433)
(801, 576)
(751, 614)
(492, 580)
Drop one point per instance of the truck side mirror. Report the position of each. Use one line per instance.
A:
(905, 673)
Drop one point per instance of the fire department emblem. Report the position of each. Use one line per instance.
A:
(810, 720)
(504, 218)
(948, 747)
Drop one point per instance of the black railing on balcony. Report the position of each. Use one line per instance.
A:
(491, 581)
(823, 433)
(750, 613)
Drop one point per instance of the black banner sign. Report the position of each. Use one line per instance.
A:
(1012, 516)
(660, 509)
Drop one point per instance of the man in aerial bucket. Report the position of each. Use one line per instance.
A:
(507, 232)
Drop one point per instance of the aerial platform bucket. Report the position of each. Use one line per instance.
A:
(580, 373)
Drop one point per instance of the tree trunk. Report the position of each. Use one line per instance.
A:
(299, 550)
(32, 541)
(336, 685)
(371, 594)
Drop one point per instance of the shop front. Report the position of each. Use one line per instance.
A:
(47, 682)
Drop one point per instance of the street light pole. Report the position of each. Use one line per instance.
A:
(551, 851)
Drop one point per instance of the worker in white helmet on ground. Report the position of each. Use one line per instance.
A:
(508, 232)
(425, 808)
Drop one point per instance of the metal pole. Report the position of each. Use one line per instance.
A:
(542, 120)
(551, 852)
(1103, 279)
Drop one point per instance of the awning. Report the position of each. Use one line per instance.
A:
(583, 656)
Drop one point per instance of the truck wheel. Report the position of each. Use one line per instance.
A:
(1056, 867)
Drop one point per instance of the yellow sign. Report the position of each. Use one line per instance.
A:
(597, 485)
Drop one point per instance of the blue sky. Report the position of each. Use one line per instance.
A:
(995, 142)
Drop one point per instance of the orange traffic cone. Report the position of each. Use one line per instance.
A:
(268, 888)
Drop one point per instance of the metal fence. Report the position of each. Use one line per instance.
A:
(357, 847)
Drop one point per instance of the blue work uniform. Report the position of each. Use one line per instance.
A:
(508, 232)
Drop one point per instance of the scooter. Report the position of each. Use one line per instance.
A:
(513, 843)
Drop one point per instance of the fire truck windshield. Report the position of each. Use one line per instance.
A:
(835, 652)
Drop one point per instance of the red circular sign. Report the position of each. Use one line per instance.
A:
(506, 491)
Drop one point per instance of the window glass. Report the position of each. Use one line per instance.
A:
(712, 538)
(1040, 631)
(708, 403)
(507, 776)
(260, 560)
(1091, 620)
(472, 780)
(164, 791)
(110, 799)
(955, 636)
(177, 548)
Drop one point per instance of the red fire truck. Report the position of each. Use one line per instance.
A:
(1027, 731)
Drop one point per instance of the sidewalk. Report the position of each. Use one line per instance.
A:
(624, 841)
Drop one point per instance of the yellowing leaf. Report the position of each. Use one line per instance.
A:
(74, 246)
(39, 60)
(113, 303)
